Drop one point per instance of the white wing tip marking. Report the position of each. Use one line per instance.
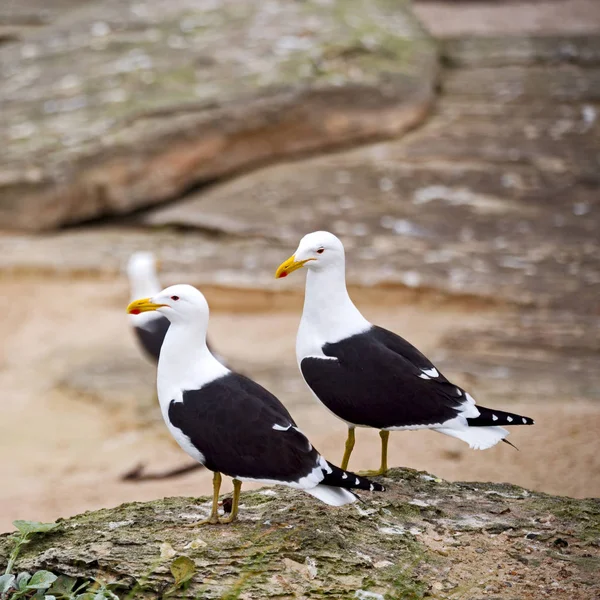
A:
(423, 376)
(509, 419)
(277, 427)
(524, 421)
(344, 475)
(494, 418)
(433, 372)
(372, 487)
(357, 482)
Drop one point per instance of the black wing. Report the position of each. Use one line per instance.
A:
(230, 421)
(151, 336)
(380, 380)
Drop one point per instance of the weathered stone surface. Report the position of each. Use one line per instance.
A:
(501, 17)
(423, 537)
(537, 356)
(496, 196)
(495, 51)
(119, 105)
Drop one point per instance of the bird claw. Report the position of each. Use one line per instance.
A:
(226, 520)
(212, 520)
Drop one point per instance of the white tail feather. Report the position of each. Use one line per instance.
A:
(333, 496)
(478, 438)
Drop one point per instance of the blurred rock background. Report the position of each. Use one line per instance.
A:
(453, 145)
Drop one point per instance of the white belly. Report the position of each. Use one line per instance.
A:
(185, 443)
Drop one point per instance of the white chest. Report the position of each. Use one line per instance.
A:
(309, 342)
(183, 440)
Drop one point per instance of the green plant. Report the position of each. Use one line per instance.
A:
(25, 585)
(182, 569)
(44, 585)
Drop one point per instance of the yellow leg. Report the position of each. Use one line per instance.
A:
(384, 435)
(213, 519)
(348, 449)
(237, 486)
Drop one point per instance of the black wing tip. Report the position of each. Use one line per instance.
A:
(364, 483)
(351, 481)
(490, 417)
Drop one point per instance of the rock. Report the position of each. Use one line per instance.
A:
(497, 196)
(118, 105)
(446, 18)
(533, 354)
(581, 50)
(387, 546)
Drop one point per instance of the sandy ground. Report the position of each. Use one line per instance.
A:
(62, 452)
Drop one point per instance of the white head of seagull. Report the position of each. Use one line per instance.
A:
(141, 271)
(317, 251)
(184, 356)
(329, 314)
(179, 303)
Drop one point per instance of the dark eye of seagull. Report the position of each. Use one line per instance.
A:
(175, 298)
(320, 250)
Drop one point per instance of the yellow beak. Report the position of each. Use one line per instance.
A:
(143, 305)
(290, 265)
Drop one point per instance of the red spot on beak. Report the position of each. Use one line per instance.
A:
(135, 311)
(283, 274)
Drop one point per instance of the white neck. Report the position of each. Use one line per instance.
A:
(185, 362)
(329, 314)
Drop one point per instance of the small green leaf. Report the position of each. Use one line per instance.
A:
(85, 596)
(22, 580)
(49, 597)
(183, 569)
(41, 580)
(6, 582)
(27, 527)
(63, 586)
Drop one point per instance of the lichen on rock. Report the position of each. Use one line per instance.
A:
(423, 537)
(120, 105)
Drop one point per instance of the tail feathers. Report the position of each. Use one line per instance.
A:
(510, 444)
(489, 417)
(478, 438)
(348, 480)
(334, 496)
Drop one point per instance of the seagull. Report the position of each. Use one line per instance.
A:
(150, 328)
(228, 422)
(369, 376)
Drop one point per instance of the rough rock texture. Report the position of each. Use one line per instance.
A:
(119, 104)
(423, 537)
(508, 17)
(497, 195)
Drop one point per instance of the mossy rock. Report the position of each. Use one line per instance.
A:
(423, 537)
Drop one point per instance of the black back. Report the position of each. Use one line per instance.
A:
(230, 421)
(376, 381)
(152, 335)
